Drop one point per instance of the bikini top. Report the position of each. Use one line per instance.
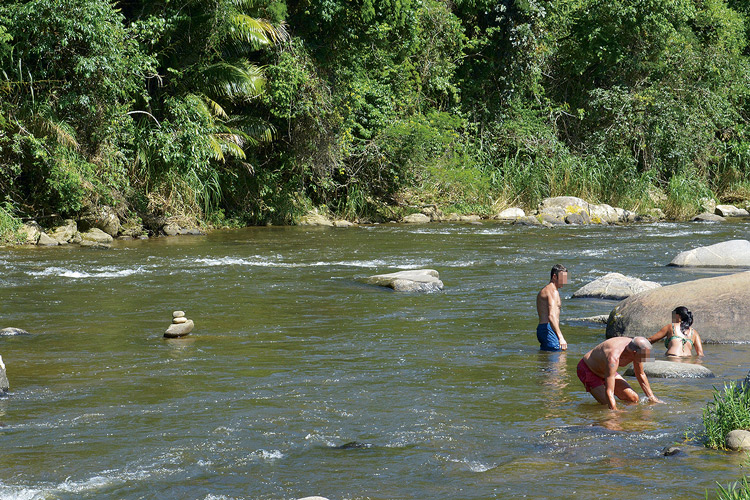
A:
(677, 334)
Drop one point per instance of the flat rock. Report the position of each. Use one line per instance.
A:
(97, 236)
(528, 221)
(179, 330)
(65, 232)
(673, 369)
(30, 232)
(178, 314)
(12, 332)
(738, 440)
(510, 214)
(598, 319)
(4, 385)
(315, 219)
(719, 305)
(708, 217)
(733, 253)
(416, 219)
(418, 280)
(614, 286)
(730, 211)
(178, 321)
(342, 223)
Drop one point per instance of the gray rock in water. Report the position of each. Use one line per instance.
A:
(179, 330)
(738, 440)
(578, 219)
(719, 305)
(528, 221)
(11, 332)
(673, 369)
(97, 236)
(670, 451)
(4, 385)
(66, 232)
(510, 214)
(420, 280)
(353, 445)
(708, 217)
(417, 219)
(730, 211)
(614, 286)
(46, 241)
(733, 253)
(599, 319)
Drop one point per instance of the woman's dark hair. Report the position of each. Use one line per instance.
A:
(686, 317)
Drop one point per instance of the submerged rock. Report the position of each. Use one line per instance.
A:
(419, 280)
(708, 217)
(672, 369)
(719, 306)
(732, 253)
(353, 445)
(738, 440)
(670, 451)
(614, 286)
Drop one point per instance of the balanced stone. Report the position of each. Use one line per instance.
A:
(732, 253)
(419, 280)
(614, 286)
(719, 305)
(738, 440)
(179, 330)
(4, 385)
(178, 314)
(180, 320)
(673, 369)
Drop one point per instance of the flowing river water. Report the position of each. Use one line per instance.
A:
(292, 356)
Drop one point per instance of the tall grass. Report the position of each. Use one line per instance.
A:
(9, 225)
(739, 490)
(729, 410)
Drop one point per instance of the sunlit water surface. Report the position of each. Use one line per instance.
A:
(293, 356)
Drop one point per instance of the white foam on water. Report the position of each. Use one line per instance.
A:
(267, 455)
(103, 272)
(49, 491)
(259, 261)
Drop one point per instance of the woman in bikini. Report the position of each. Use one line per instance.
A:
(679, 337)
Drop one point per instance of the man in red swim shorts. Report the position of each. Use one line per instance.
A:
(598, 370)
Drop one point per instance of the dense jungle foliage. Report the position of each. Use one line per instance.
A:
(228, 112)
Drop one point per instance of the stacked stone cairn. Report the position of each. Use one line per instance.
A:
(180, 327)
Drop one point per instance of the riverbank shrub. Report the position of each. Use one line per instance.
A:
(729, 410)
(739, 490)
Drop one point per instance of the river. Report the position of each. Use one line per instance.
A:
(292, 356)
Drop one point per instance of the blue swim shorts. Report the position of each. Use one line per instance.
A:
(547, 338)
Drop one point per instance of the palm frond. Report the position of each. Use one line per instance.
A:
(233, 81)
(255, 31)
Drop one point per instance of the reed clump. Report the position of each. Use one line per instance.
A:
(729, 410)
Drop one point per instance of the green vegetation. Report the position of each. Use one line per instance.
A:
(736, 491)
(232, 112)
(729, 410)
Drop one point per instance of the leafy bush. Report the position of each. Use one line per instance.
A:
(729, 410)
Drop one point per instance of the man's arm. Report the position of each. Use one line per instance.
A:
(554, 319)
(609, 381)
(640, 375)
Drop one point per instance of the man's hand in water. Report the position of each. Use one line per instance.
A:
(654, 399)
(563, 344)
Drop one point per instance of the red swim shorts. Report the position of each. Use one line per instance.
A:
(589, 378)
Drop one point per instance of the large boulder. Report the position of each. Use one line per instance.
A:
(103, 217)
(733, 253)
(730, 211)
(65, 232)
(417, 219)
(96, 235)
(614, 286)
(672, 369)
(719, 306)
(563, 206)
(510, 214)
(30, 232)
(315, 218)
(418, 280)
(738, 440)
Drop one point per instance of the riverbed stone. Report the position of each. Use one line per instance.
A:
(708, 217)
(671, 451)
(65, 232)
(179, 330)
(433, 212)
(672, 369)
(552, 220)
(4, 385)
(733, 253)
(12, 332)
(342, 223)
(578, 219)
(178, 321)
(94, 244)
(529, 221)
(178, 314)
(614, 286)
(47, 241)
(96, 235)
(738, 440)
(730, 211)
(416, 219)
(315, 218)
(603, 214)
(103, 217)
(30, 232)
(598, 319)
(561, 206)
(512, 213)
(719, 305)
(418, 280)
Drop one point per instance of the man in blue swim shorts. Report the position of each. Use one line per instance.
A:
(548, 305)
